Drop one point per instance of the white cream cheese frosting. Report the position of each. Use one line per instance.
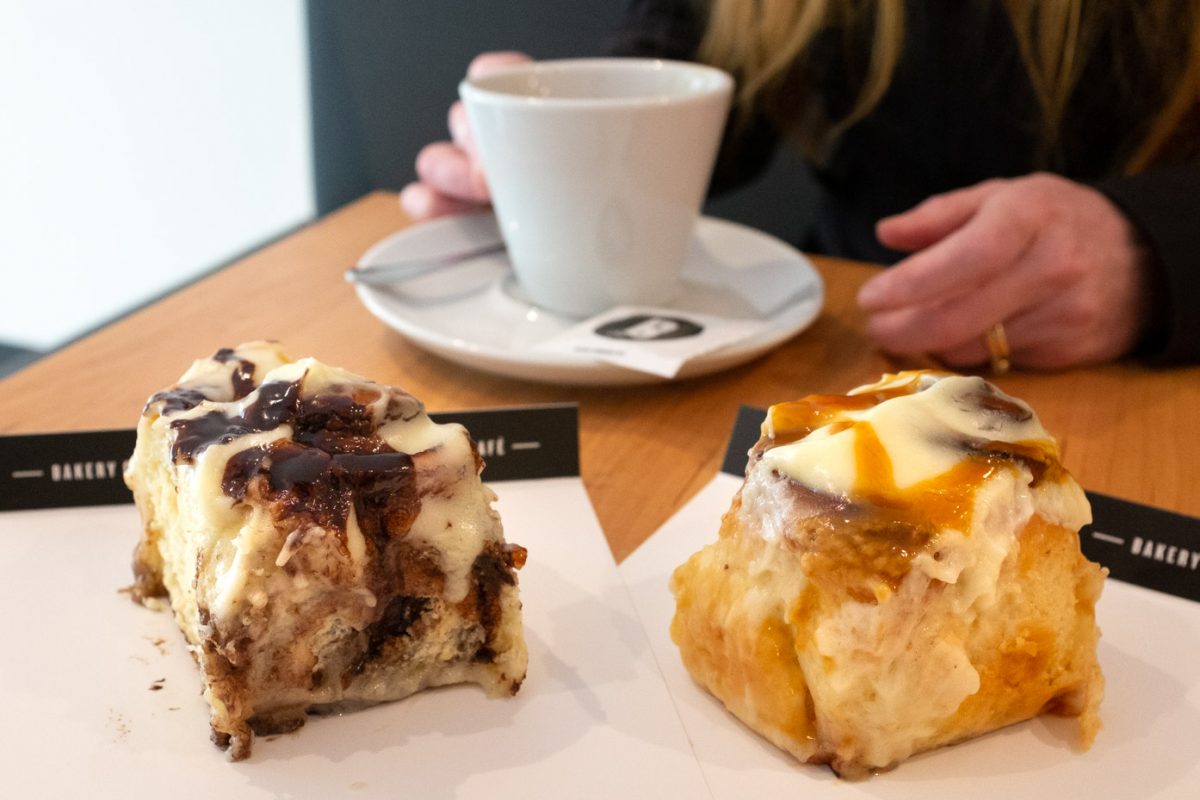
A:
(897, 437)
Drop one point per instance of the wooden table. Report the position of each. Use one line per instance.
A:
(1126, 430)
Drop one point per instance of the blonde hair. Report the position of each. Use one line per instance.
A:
(768, 44)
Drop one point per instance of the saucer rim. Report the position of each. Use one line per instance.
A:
(552, 367)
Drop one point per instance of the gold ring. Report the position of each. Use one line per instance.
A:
(997, 347)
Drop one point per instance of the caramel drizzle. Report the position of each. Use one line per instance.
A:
(946, 500)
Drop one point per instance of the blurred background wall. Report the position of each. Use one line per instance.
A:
(141, 144)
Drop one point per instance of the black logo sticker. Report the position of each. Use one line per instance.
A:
(649, 328)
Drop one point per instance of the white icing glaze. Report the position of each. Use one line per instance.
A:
(455, 518)
(215, 378)
(922, 434)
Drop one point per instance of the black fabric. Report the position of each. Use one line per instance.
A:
(960, 109)
(1164, 204)
(672, 29)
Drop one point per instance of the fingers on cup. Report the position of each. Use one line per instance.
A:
(421, 202)
(450, 170)
(487, 62)
(461, 135)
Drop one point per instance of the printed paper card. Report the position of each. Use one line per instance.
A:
(658, 341)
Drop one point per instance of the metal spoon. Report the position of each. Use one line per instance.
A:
(396, 271)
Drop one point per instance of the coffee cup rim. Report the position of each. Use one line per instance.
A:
(476, 88)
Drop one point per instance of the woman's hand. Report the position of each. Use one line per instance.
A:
(1055, 261)
(450, 178)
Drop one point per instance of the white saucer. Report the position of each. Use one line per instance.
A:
(473, 313)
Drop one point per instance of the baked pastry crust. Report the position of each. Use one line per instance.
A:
(857, 622)
(322, 543)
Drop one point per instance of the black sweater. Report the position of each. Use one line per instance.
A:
(959, 110)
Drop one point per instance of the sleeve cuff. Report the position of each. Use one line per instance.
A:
(1164, 205)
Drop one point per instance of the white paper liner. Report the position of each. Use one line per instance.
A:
(1149, 746)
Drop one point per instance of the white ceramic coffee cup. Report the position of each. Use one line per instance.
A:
(597, 170)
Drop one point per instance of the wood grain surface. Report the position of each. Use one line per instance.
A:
(1126, 429)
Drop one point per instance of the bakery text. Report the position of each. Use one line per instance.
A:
(84, 471)
(1166, 553)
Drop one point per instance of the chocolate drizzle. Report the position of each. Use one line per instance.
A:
(334, 460)
(276, 403)
(176, 400)
(185, 398)
(243, 373)
(492, 571)
(992, 409)
(399, 616)
(323, 486)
